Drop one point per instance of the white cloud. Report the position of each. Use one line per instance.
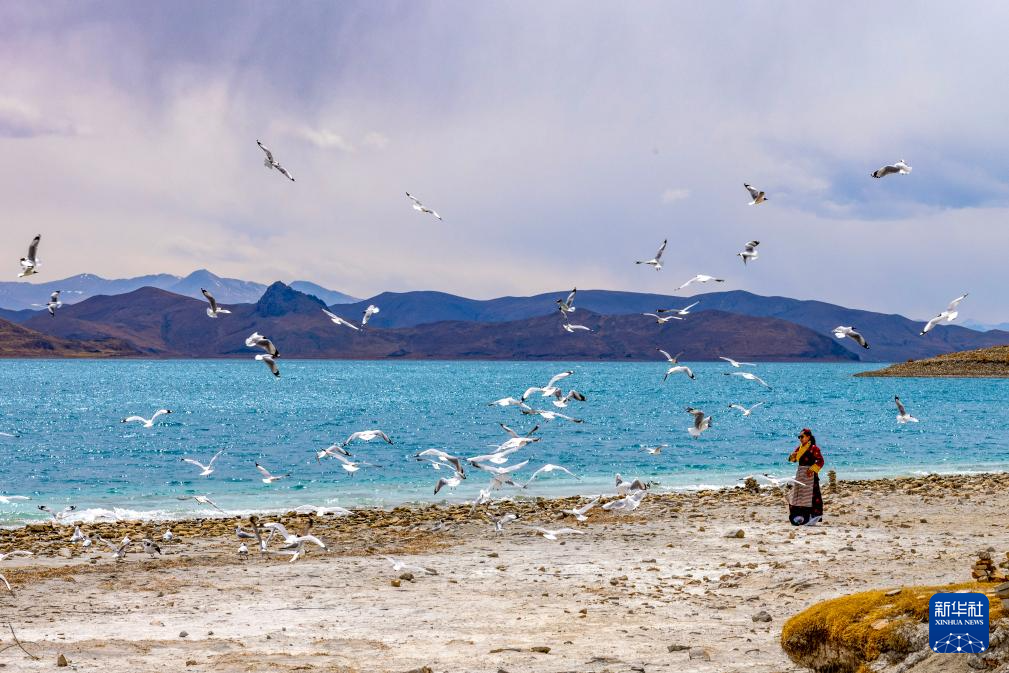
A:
(324, 139)
(19, 119)
(672, 195)
(376, 140)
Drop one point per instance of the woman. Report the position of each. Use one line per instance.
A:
(805, 504)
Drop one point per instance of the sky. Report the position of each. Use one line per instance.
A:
(560, 141)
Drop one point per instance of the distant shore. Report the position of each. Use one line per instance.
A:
(988, 363)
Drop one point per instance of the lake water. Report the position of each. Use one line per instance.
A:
(72, 448)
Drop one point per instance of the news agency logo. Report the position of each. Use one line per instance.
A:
(958, 623)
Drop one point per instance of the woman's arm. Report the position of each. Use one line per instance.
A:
(817, 460)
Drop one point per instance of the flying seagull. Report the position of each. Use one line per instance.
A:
(54, 303)
(257, 340)
(678, 311)
(118, 550)
(367, 436)
(420, 207)
(566, 306)
(340, 321)
(550, 467)
(579, 512)
(677, 368)
(270, 362)
(949, 315)
(656, 262)
(214, 308)
(628, 503)
(270, 162)
(899, 168)
(841, 331)
(368, 312)
(267, 477)
(744, 410)
(624, 487)
(774, 481)
(30, 263)
(749, 377)
(203, 500)
(749, 252)
(662, 319)
(757, 195)
(655, 450)
(902, 415)
(552, 534)
(549, 389)
(208, 469)
(736, 363)
(701, 422)
(570, 329)
(700, 278)
(148, 422)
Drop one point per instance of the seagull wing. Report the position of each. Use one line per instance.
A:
(662, 249)
(900, 407)
(263, 471)
(33, 248)
(269, 154)
(558, 377)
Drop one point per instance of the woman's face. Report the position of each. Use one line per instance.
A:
(803, 437)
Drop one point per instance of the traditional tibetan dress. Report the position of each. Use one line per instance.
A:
(805, 502)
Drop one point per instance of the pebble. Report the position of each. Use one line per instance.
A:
(61, 661)
(183, 634)
(677, 648)
(699, 654)
(395, 583)
(761, 616)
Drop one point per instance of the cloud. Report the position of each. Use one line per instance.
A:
(671, 195)
(324, 139)
(376, 140)
(20, 120)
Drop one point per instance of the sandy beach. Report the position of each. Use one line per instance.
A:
(632, 593)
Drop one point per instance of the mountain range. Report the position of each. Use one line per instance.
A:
(20, 296)
(161, 323)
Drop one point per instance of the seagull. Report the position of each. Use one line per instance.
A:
(257, 340)
(244, 534)
(208, 469)
(148, 422)
(570, 329)
(736, 363)
(757, 196)
(203, 500)
(624, 487)
(749, 377)
(270, 362)
(549, 389)
(701, 422)
(840, 332)
(322, 511)
(118, 550)
(30, 263)
(54, 303)
(399, 565)
(15, 554)
(151, 547)
(579, 512)
(267, 477)
(243, 550)
(628, 503)
(655, 450)
(774, 481)
(367, 436)
(451, 482)
(662, 320)
(78, 536)
(566, 306)
(949, 315)
(442, 459)
(550, 467)
(657, 261)
(899, 168)
(552, 534)
(58, 516)
(499, 471)
(528, 436)
(270, 162)
(168, 536)
(420, 207)
(562, 401)
(902, 415)
(749, 252)
(499, 524)
(8, 499)
(368, 312)
(677, 367)
(700, 278)
(213, 309)
(337, 320)
(291, 540)
(350, 465)
(331, 450)
(551, 415)
(678, 311)
(499, 457)
(508, 402)
(744, 410)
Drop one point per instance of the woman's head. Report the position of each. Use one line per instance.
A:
(807, 436)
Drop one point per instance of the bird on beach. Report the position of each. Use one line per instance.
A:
(207, 469)
(677, 368)
(662, 319)
(899, 168)
(398, 565)
(270, 162)
(744, 410)
(269, 478)
(151, 547)
(655, 450)
(257, 340)
(749, 376)
(503, 521)
(270, 362)
(337, 320)
(700, 278)
(367, 436)
(566, 306)
(203, 500)
(902, 415)
(290, 539)
(579, 512)
(214, 309)
(755, 194)
(118, 549)
(243, 550)
(319, 510)
(656, 262)
(624, 487)
(168, 536)
(678, 311)
(749, 252)
(368, 312)
(147, 422)
(736, 363)
(948, 316)
(30, 264)
(78, 536)
(628, 503)
(701, 422)
(571, 329)
(552, 534)
(420, 207)
(841, 331)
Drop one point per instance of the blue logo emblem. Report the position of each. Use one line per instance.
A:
(958, 623)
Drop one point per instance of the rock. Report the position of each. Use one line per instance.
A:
(677, 648)
(739, 534)
(395, 583)
(541, 649)
(407, 577)
(698, 654)
(191, 662)
(61, 661)
(183, 634)
(761, 616)
(893, 592)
